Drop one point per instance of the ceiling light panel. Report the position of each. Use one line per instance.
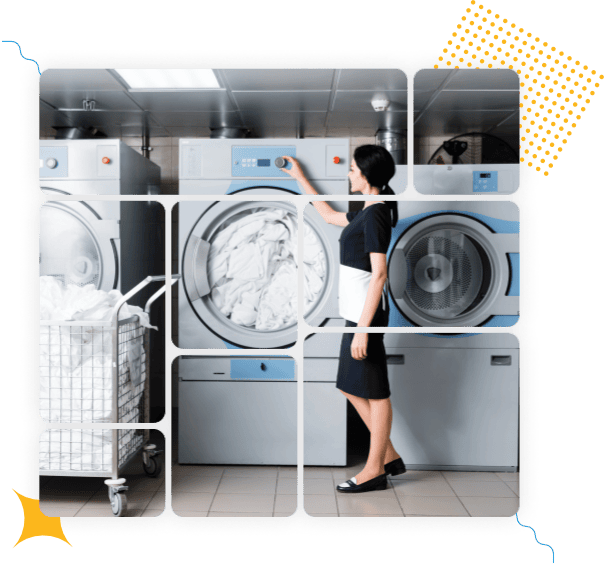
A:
(169, 79)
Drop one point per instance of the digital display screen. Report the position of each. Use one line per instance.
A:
(485, 175)
(264, 162)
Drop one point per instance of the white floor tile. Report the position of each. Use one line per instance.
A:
(482, 506)
(433, 505)
(482, 488)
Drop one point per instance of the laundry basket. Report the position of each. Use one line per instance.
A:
(97, 372)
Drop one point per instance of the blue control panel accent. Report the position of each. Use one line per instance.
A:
(59, 154)
(263, 369)
(484, 181)
(501, 322)
(259, 161)
(515, 274)
(241, 185)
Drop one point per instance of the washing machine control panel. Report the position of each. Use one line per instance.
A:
(484, 181)
(260, 161)
(53, 162)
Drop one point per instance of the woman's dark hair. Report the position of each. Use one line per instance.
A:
(377, 166)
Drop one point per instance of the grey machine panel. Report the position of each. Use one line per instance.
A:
(456, 409)
(237, 422)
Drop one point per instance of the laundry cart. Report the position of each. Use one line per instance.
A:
(97, 372)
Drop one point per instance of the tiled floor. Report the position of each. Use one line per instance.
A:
(211, 490)
(88, 497)
(415, 493)
(84, 496)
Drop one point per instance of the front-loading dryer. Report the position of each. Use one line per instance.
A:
(454, 264)
(202, 321)
(246, 168)
(109, 244)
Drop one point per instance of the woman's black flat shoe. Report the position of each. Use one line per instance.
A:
(378, 483)
(396, 467)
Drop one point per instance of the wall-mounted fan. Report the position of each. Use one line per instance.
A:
(474, 149)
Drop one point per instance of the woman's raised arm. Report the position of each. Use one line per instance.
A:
(327, 212)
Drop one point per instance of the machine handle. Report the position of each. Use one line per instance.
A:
(196, 268)
(395, 359)
(397, 273)
(155, 296)
(501, 360)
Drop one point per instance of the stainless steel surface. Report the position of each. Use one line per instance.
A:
(396, 144)
(451, 102)
(258, 99)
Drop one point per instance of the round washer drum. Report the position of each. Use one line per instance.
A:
(74, 246)
(445, 271)
(195, 278)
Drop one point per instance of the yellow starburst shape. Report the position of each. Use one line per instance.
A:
(37, 524)
(555, 88)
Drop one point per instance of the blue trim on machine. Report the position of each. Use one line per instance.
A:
(290, 186)
(274, 369)
(514, 274)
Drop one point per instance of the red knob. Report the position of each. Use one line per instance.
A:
(106, 160)
(336, 160)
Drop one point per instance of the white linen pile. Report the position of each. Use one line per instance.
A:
(253, 269)
(315, 267)
(76, 379)
(84, 450)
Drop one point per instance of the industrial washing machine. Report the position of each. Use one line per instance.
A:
(96, 166)
(206, 168)
(84, 242)
(455, 400)
(450, 264)
(237, 410)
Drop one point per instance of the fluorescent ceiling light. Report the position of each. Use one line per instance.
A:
(169, 79)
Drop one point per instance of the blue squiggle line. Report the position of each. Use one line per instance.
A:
(536, 537)
(19, 46)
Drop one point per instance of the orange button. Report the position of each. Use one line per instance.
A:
(106, 160)
(336, 160)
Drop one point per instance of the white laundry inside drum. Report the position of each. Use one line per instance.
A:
(315, 268)
(253, 269)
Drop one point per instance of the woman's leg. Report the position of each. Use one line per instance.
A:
(363, 408)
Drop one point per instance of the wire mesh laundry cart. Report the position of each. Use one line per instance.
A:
(97, 372)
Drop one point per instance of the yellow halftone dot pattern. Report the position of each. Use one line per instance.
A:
(555, 88)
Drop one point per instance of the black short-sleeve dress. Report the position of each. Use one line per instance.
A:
(369, 231)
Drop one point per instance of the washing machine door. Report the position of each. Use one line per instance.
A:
(196, 276)
(451, 270)
(76, 245)
(321, 240)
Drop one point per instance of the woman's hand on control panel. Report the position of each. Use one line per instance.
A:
(295, 171)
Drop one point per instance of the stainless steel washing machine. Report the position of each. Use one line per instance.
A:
(96, 166)
(245, 168)
(455, 264)
(112, 245)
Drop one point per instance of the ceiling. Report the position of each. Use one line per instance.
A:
(452, 102)
(269, 102)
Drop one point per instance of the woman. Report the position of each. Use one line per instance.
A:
(362, 372)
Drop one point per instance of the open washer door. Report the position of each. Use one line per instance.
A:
(325, 239)
(76, 245)
(452, 270)
(200, 282)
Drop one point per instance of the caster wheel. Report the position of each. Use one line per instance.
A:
(119, 504)
(154, 467)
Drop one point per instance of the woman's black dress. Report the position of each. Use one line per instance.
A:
(369, 231)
